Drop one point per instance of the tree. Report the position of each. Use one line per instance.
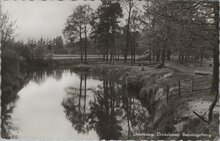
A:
(194, 24)
(77, 24)
(215, 83)
(129, 6)
(7, 27)
(86, 23)
(58, 45)
(105, 25)
(215, 44)
(135, 33)
(12, 81)
(178, 26)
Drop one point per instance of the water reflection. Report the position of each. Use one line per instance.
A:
(61, 104)
(75, 109)
(39, 113)
(10, 85)
(8, 129)
(40, 76)
(104, 111)
(112, 112)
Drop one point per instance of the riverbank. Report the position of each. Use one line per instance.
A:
(150, 85)
(135, 77)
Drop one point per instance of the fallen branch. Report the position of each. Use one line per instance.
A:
(210, 110)
(201, 117)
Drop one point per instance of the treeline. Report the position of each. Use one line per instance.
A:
(42, 48)
(35, 53)
(188, 30)
(11, 76)
(185, 29)
(160, 30)
(16, 58)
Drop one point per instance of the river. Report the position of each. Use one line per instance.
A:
(63, 104)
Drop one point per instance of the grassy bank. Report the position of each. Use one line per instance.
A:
(150, 88)
(150, 84)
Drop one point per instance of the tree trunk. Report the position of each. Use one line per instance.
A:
(128, 35)
(158, 55)
(128, 117)
(114, 49)
(132, 47)
(150, 55)
(118, 52)
(81, 47)
(201, 55)
(215, 82)
(163, 56)
(80, 92)
(111, 48)
(104, 56)
(154, 56)
(85, 44)
(111, 55)
(185, 57)
(134, 52)
(85, 93)
(216, 50)
(107, 50)
(168, 55)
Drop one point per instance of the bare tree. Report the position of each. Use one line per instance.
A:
(77, 24)
(86, 23)
(129, 6)
(135, 31)
(7, 27)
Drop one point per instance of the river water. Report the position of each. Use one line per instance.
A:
(62, 104)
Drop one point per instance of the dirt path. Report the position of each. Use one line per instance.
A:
(189, 67)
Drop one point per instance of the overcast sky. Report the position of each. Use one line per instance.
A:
(41, 18)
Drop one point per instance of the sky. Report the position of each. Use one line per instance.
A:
(36, 19)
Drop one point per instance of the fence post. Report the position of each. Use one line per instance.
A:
(179, 87)
(192, 85)
(168, 89)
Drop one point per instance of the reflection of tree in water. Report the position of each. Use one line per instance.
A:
(7, 106)
(104, 112)
(41, 75)
(12, 82)
(74, 109)
(116, 114)
(7, 126)
(135, 115)
(113, 114)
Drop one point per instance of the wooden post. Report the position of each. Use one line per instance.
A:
(179, 88)
(192, 85)
(168, 89)
(142, 67)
